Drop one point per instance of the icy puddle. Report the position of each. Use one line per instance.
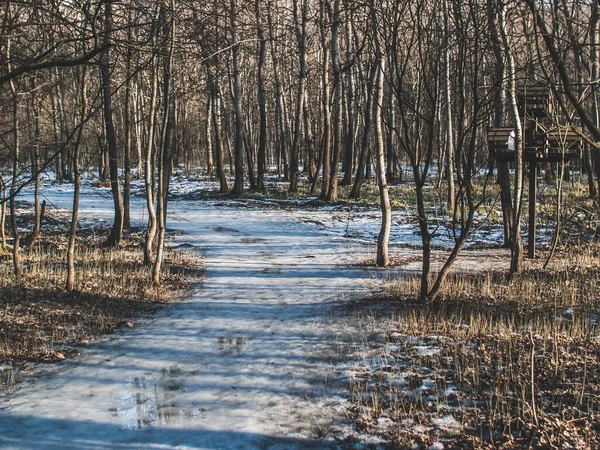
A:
(242, 364)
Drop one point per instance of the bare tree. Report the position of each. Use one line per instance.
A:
(238, 185)
(70, 283)
(384, 198)
(111, 137)
(260, 80)
(300, 25)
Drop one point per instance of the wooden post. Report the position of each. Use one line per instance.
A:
(531, 232)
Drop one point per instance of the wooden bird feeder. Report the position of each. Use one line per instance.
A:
(541, 144)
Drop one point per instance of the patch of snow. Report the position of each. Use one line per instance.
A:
(424, 350)
(447, 423)
(385, 423)
(427, 385)
(244, 363)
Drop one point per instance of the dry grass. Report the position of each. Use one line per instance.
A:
(40, 321)
(493, 364)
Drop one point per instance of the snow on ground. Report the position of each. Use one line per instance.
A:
(244, 363)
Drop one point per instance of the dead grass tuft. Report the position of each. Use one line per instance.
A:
(493, 364)
(40, 321)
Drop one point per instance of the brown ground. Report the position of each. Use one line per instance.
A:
(494, 363)
(40, 322)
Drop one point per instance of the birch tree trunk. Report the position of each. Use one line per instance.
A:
(384, 199)
(325, 109)
(449, 124)
(516, 260)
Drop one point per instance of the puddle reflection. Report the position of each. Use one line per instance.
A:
(153, 401)
(230, 344)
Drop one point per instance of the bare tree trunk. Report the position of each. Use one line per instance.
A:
(18, 268)
(248, 147)
(215, 84)
(262, 139)
(349, 140)
(57, 127)
(280, 131)
(449, 124)
(70, 284)
(302, 39)
(366, 138)
(384, 199)
(165, 156)
(127, 131)
(3, 212)
(594, 189)
(516, 261)
(209, 147)
(310, 165)
(117, 230)
(238, 185)
(332, 194)
(149, 169)
(326, 137)
(503, 171)
(137, 114)
(392, 157)
(35, 172)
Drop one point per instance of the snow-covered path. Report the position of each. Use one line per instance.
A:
(243, 364)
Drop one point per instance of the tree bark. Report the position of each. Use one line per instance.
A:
(18, 268)
(383, 259)
(35, 172)
(70, 283)
(332, 194)
(165, 156)
(209, 125)
(127, 129)
(326, 111)
(215, 84)
(238, 185)
(349, 143)
(300, 25)
(594, 188)
(516, 260)
(114, 240)
(150, 157)
(366, 137)
(262, 109)
(449, 122)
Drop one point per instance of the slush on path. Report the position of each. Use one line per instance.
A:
(243, 363)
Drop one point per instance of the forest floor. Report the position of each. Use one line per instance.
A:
(41, 322)
(493, 364)
(294, 340)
